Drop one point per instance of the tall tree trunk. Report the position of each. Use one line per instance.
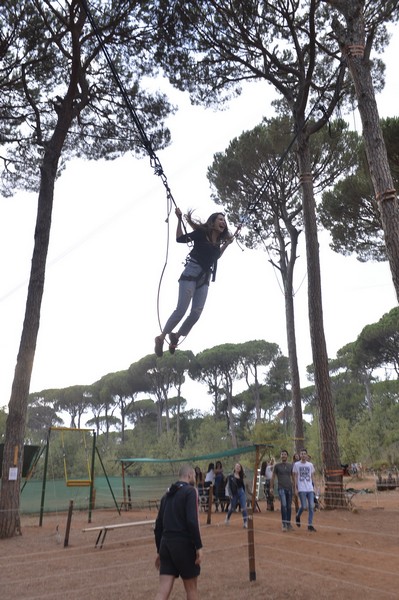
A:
(328, 429)
(294, 373)
(353, 42)
(178, 421)
(123, 418)
(287, 271)
(159, 405)
(229, 397)
(166, 405)
(366, 380)
(17, 408)
(258, 411)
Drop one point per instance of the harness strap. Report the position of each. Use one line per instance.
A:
(196, 279)
(202, 273)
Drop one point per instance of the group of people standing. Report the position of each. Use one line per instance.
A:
(177, 530)
(294, 479)
(214, 476)
(228, 492)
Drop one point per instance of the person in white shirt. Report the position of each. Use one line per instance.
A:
(269, 491)
(304, 486)
(210, 475)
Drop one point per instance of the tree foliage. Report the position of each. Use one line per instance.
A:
(350, 211)
(53, 58)
(356, 42)
(58, 100)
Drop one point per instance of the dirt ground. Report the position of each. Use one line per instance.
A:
(353, 554)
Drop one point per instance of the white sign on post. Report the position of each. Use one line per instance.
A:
(13, 474)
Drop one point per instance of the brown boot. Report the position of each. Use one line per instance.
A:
(174, 342)
(158, 346)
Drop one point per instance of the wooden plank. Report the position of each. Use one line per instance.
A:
(102, 530)
(117, 525)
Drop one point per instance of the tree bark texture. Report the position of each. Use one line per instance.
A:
(353, 45)
(328, 430)
(287, 273)
(294, 372)
(17, 408)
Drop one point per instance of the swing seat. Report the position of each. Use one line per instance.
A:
(78, 482)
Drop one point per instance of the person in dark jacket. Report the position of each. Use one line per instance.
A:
(178, 538)
(236, 487)
(210, 240)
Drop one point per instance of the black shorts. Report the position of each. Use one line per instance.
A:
(178, 558)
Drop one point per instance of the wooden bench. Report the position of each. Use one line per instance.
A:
(102, 530)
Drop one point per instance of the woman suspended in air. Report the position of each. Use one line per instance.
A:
(210, 240)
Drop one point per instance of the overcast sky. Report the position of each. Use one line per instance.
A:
(108, 247)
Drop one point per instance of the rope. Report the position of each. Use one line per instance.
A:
(154, 160)
(165, 262)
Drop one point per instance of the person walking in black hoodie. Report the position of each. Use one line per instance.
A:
(178, 538)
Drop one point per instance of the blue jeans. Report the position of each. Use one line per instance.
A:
(286, 501)
(189, 291)
(241, 498)
(309, 496)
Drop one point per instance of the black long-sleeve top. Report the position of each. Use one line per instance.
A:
(204, 252)
(178, 515)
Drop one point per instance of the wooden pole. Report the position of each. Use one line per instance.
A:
(44, 478)
(91, 495)
(251, 546)
(256, 467)
(124, 486)
(68, 526)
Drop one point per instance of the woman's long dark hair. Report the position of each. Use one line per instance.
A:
(198, 475)
(208, 225)
(241, 473)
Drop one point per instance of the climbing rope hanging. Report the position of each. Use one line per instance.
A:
(252, 207)
(154, 160)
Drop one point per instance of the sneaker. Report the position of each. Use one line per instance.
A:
(284, 527)
(158, 346)
(298, 521)
(311, 528)
(245, 524)
(174, 341)
(226, 521)
(289, 527)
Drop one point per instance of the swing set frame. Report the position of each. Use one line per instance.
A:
(76, 482)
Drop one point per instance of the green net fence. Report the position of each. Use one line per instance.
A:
(58, 494)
